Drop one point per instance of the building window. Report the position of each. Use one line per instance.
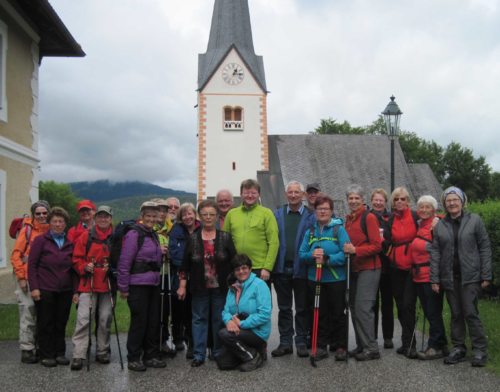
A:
(233, 118)
(3, 68)
(3, 224)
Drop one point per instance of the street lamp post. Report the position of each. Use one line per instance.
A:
(392, 115)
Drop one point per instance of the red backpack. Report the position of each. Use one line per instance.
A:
(15, 226)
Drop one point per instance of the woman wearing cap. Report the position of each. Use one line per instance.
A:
(207, 262)
(247, 316)
(461, 266)
(91, 262)
(432, 303)
(324, 244)
(32, 228)
(86, 212)
(402, 230)
(52, 283)
(184, 227)
(138, 281)
(363, 230)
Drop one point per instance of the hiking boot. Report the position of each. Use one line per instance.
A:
(321, 353)
(411, 353)
(388, 343)
(189, 353)
(479, 360)
(282, 350)
(179, 346)
(403, 350)
(340, 354)
(136, 366)
(103, 358)
(430, 353)
(456, 355)
(367, 355)
(48, 362)
(77, 364)
(197, 362)
(302, 351)
(253, 364)
(62, 360)
(29, 356)
(357, 350)
(155, 363)
(168, 351)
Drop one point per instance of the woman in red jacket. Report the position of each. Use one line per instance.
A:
(432, 302)
(363, 229)
(91, 262)
(403, 229)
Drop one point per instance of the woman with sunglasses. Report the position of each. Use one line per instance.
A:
(402, 231)
(32, 228)
(207, 262)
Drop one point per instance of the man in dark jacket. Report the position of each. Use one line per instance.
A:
(289, 277)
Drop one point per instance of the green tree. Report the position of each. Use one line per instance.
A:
(468, 173)
(58, 194)
(332, 127)
(495, 186)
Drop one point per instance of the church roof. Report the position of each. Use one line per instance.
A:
(231, 28)
(337, 161)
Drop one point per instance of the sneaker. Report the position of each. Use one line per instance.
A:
(367, 355)
(77, 364)
(29, 356)
(321, 353)
(282, 350)
(388, 343)
(62, 360)
(136, 366)
(155, 363)
(429, 354)
(340, 354)
(253, 364)
(357, 350)
(102, 358)
(48, 362)
(479, 360)
(456, 355)
(302, 351)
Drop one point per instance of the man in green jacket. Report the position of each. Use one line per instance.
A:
(254, 230)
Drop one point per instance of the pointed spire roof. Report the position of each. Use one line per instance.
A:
(230, 29)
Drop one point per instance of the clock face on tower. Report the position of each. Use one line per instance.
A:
(232, 74)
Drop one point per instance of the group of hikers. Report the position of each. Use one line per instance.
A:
(199, 278)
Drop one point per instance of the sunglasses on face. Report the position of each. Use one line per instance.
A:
(41, 213)
(400, 199)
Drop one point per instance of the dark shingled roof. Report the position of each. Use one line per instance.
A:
(335, 162)
(55, 38)
(231, 28)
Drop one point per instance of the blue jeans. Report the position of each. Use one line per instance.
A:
(208, 303)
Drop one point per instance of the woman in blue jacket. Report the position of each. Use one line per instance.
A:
(247, 316)
(323, 244)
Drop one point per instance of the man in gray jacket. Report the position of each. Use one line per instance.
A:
(461, 266)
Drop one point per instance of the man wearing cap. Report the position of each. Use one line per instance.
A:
(289, 276)
(86, 211)
(312, 191)
(91, 262)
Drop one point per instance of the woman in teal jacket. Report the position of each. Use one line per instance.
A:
(247, 316)
(323, 244)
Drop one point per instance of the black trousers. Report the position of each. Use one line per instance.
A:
(385, 303)
(432, 304)
(332, 319)
(243, 347)
(143, 302)
(181, 311)
(405, 296)
(52, 316)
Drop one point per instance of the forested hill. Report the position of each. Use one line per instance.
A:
(103, 190)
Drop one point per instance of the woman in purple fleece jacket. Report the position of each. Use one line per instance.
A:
(138, 282)
(52, 282)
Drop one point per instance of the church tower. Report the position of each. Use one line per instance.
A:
(232, 103)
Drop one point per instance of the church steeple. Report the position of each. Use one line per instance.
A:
(230, 28)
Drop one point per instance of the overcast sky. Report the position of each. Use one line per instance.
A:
(126, 110)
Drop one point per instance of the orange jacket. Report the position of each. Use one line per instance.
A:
(19, 256)
(99, 254)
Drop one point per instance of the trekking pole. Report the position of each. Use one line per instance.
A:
(169, 324)
(423, 325)
(90, 320)
(162, 298)
(116, 325)
(347, 304)
(314, 343)
(413, 338)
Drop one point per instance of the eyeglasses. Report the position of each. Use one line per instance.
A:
(323, 209)
(451, 201)
(173, 207)
(400, 199)
(208, 215)
(41, 213)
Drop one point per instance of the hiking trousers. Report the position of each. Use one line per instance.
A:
(27, 319)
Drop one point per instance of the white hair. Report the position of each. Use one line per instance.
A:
(301, 186)
(224, 191)
(427, 199)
